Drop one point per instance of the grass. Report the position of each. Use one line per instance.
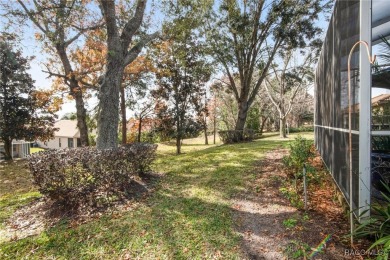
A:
(35, 150)
(290, 223)
(187, 217)
(298, 250)
(16, 188)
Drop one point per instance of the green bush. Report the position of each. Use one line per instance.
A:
(292, 195)
(301, 129)
(150, 137)
(297, 250)
(234, 136)
(301, 150)
(140, 156)
(87, 176)
(378, 226)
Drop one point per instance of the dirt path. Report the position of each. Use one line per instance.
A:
(261, 210)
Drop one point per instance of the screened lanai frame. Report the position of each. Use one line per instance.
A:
(352, 20)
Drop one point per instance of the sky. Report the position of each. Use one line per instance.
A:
(31, 47)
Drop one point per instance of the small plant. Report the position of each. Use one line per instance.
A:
(378, 226)
(292, 195)
(301, 150)
(290, 222)
(297, 249)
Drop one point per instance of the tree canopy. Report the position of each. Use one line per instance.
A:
(245, 36)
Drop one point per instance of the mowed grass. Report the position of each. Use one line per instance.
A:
(35, 149)
(189, 216)
(16, 188)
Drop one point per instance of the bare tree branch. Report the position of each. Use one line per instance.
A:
(133, 24)
(133, 52)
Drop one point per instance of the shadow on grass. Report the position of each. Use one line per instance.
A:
(268, 135)
(189, 215)
(175, 228)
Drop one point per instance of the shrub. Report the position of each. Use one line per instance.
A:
(378, 226)
(301, 129)
(234, 136)
(292, 195)
(140, 156)
(150, 137)
(87, 176)
(301, 150)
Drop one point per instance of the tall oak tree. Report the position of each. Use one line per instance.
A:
(245, 36)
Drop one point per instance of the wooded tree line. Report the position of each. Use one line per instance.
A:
(229, 64)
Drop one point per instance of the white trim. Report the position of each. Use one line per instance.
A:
(380, 133)
(355, 132)
(365, 111)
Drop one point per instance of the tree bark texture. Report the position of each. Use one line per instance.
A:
(120, 52)
(178, 143)
(241, 118)
(108, 117)
(7, 149)
(206, 140)
(178, 134)
(123, 114)
(81, 113)
(76, 93)
(264, 119)
(139, 129)
(282, 127)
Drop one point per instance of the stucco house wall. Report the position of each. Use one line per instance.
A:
(67, 136)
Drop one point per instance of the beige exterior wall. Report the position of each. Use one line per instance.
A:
(55, 143)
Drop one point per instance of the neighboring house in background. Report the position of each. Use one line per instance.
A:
(381, 112)
(67, 136)
(20, 149)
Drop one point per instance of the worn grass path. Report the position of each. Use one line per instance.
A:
(189, 216)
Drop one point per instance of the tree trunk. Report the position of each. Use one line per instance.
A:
(178, 144)
(139, 129)
(178, 134)
(76, 93)
(206, 140)
(7, 150)
(123, 114)
(282, 127)
(81, 114)
(215, 127)
(264, 119)
(109, 106)
(241, 119)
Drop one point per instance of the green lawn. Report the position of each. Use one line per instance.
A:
(16, 188)
(188, 216)
(35, 149)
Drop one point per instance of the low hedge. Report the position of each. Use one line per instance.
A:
(301, 129)
(88, 176)
(234, 136)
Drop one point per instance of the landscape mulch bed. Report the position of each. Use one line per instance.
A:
(42, 213)
(262, 208)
